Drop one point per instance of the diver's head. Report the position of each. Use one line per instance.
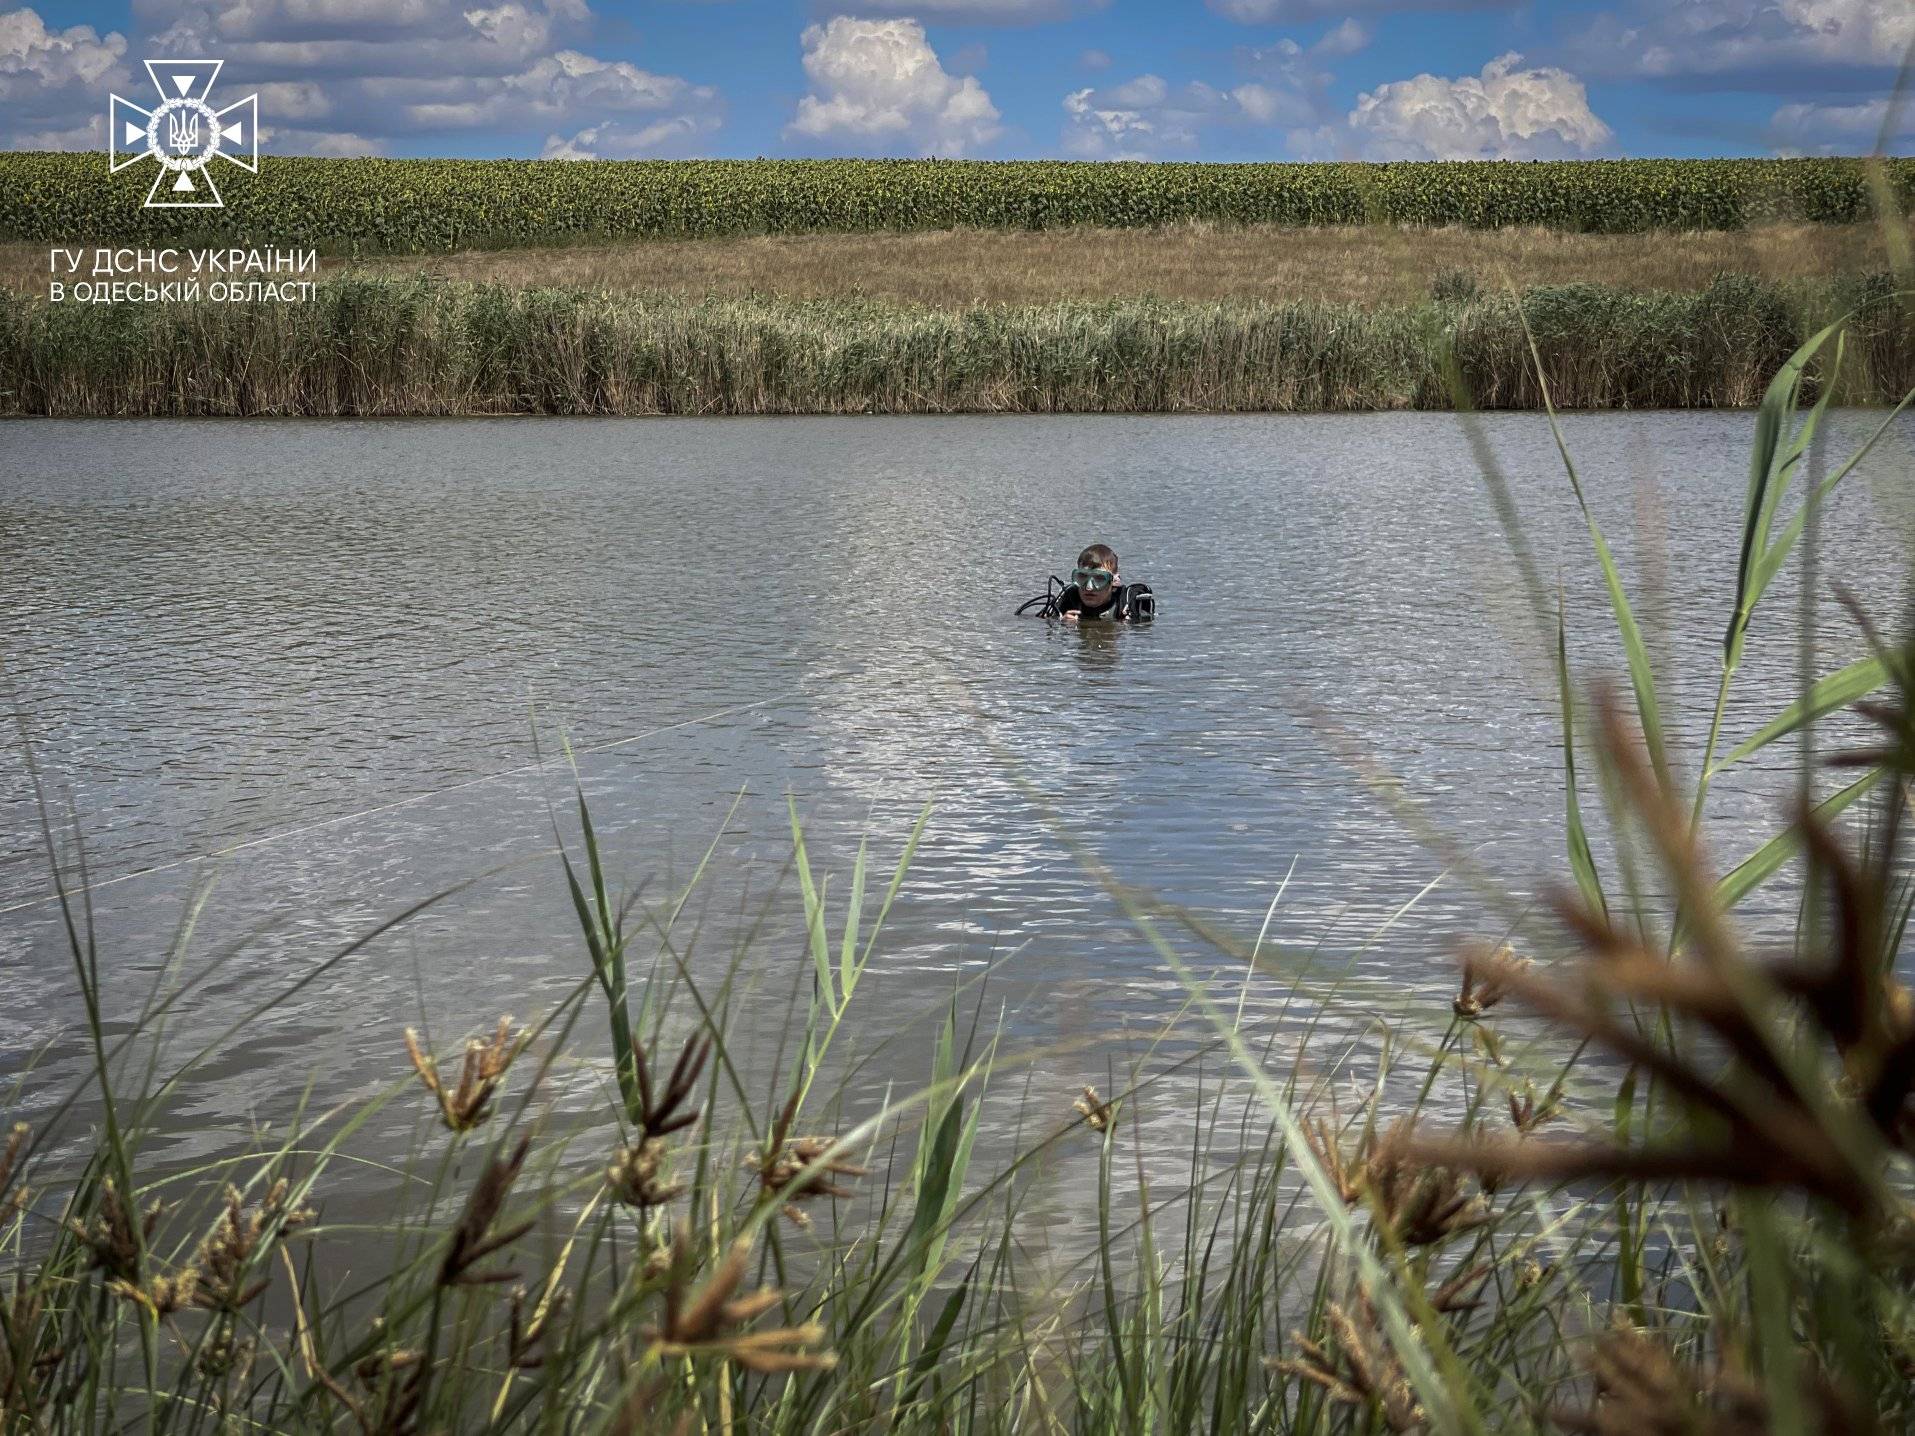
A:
(1096, 575)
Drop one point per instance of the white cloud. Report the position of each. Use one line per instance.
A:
(1808, 129)
(1660, 39)
(613, 140)
(1147, 118)
(1302, 12)
(1346, 39)
(1503, 113)
(372, 76)
(560, 87)
(329, 144)
(969, 12)
(1095, 60)
(1267, 105)
(88, 134)
(878, 82)
(1287, 90)
(54, 83)
(317, 39)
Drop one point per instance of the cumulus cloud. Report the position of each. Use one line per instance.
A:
(1741, 38)
(556, 87)
(1812, 129)
(1147, 118)
(1504, 113)
(1283, 98)
(321, 39)
(878, 83)
(341, 77)
(53, 83)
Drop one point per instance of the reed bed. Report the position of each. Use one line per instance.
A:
(1673, 1197)
(416, 347)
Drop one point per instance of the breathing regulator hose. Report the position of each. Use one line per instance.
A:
(1045, 604)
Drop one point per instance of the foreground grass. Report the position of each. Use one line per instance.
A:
(1369, 265)
(398, 347)
(1678, 1204)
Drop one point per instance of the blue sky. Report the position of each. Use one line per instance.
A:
(1193, 79)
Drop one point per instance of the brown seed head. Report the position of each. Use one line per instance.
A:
(1358, 1368)
(706, 1322)
(1423, 1203)
(801, 1169)
(113, 1237)
(480, 1073)
(474, 1239)
(1096, 1112)
(637, 1178)
(1485, 972)
(237, 1244)
(662, 1109)
(9, 1166)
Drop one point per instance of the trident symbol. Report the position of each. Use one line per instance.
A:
(183, 133)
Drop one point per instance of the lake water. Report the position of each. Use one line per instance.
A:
(323, 649)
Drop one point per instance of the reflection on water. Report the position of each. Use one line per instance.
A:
(325, 649)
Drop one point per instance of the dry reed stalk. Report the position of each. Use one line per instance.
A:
(525, 1338)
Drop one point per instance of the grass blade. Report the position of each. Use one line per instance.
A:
(1755, 868)
(1837, 690)
(1581, 861)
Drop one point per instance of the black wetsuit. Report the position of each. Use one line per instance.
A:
(1071, 600)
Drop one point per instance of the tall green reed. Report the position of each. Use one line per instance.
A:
(373, 347)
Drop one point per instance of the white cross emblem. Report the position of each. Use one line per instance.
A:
(184, 133)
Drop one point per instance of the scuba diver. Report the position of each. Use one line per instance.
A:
(1095, 592)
